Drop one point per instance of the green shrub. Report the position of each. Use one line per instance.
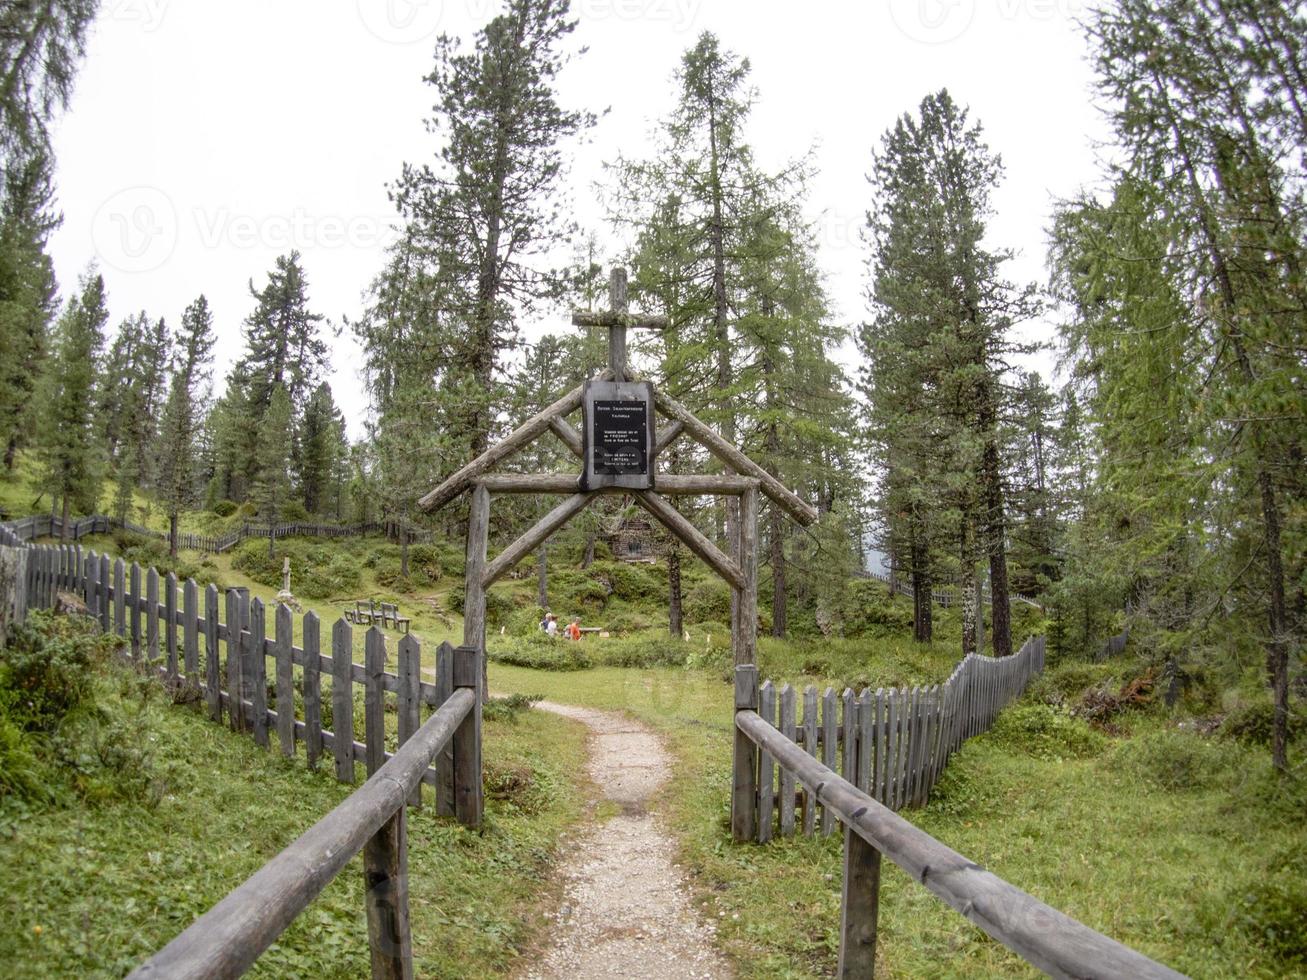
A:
(1068, 681)
(1173, 761)
(630, 583)
(507, 709)
(1045, 732)
(292, 513)
(1254, 722)
(225, 508)
(47, 669)
(540, 653)
(627, 622)
(869, 610)
(708, 601)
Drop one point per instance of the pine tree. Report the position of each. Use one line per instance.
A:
(486, 213)
(319, 448)
(180, 427)
(68, 447)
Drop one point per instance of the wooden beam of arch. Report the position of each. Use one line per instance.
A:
(533, 538)
(568, 434)
(510, 444)
(671, 484)
(790, 502)
(692, 537)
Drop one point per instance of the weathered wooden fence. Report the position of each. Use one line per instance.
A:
(944, 597)
(164, 630)
(47, 526)
(1115, 645)
(890, 747)
(891, 743)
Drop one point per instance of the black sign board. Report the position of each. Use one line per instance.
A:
(618, 435)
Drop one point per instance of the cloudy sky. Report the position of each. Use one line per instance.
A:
(204, 139)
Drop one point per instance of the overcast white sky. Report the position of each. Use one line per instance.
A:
(205, 139)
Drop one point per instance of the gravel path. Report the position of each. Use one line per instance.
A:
(625, 912)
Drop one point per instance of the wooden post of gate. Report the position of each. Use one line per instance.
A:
(744, 782)
(469, 801)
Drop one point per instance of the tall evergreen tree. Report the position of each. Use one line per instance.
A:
(273, 487)
(69, 448)
(486, 214)
(319, 447)
(179, 429)
(27, 293)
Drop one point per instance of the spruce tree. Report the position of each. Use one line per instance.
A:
(69, 449)
(273, 487)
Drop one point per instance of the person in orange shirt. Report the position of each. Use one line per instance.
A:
(574, 629)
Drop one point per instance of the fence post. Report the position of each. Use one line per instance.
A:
(385, 875)
(859, 907)
(468, 798)
(744, 782)
(13, 588)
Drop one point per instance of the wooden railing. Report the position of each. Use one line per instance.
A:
(1045, 937)
(226, 940)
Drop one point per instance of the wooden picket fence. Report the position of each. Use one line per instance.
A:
(1114, 646)
(945, 597)
(47, 526)
(233, 663)
(891, 743)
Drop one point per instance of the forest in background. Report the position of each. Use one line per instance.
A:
(1162, 485)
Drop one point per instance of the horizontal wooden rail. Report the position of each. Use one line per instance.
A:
(226, 940)
(1040, 934)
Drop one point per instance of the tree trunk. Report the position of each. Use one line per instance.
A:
(172, 534)
(996, 532)
(778, 606)
(588, 558)
(403, 551)
(966, 586)
(674, 625)
(980, 616)
(63, 528)
(923, 606)
(542, 576)
(11, 450)
(272, 539)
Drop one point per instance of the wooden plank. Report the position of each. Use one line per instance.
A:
(532, 539)
(517, 439)
(235, 712)
(787, 777)
(666, 484)
(119, 599)
(849, 732)
(829, 748)
(469, 793)
(891, 747)
(257, 661)
(691, 536)
(106, 620)
(444, 764)
(170, 624)
(859, 908)
(342, 699)
(212, 671)
(385, 879)
(285, 680)
(802, 512)
(871, 743)
(766, 767)
(374, 695)
(810, 744)
(191, 633)
(410, 705)
(134, 611)
(151, 616)
(667, 435)
(311, 679)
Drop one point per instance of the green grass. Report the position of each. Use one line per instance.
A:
(92, 890)
(1082, 821)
